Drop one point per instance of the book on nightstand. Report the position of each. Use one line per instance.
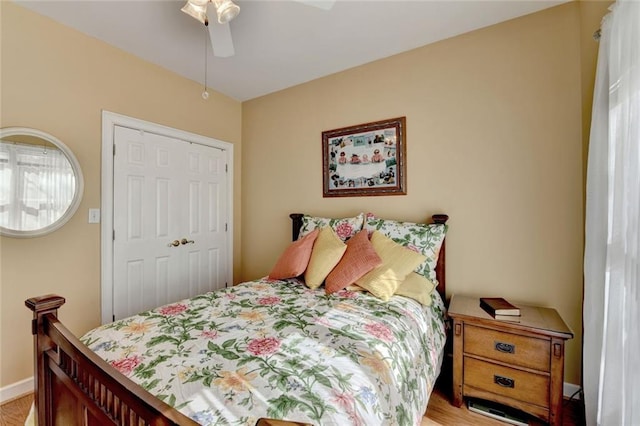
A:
(499, 307)
(510, 318)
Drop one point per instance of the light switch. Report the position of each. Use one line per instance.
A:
(94, 215)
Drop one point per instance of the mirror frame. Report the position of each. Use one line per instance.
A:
(77, 171)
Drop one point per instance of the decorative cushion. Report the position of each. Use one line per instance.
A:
(327, 252)
(293, 262)
(417, 287)
(345, 228)
(397, 263)
(359, 259)
(425, 239)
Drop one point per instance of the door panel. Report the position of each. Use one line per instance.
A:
(162, 289)
(215, 270)
(194, 207)
(214, 201)
(162, 208)
(134, 208)
(135, 284)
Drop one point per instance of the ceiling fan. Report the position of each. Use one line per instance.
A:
(225, 11)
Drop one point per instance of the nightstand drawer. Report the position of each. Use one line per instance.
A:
(507, 347)
(509, 382)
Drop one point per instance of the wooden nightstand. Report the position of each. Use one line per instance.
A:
(519, 364)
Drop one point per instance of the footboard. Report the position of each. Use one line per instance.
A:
(73, 386)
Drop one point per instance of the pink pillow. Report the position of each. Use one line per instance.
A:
(293, 262)
(359, 259)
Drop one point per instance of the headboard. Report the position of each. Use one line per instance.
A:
(296, 224)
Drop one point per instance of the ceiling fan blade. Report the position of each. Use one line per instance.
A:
(221, 41)
(220, 34)
(321, 4)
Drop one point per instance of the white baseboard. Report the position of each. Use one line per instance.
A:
(16, 390)
(569, 390)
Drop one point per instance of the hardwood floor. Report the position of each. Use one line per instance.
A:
(14, 413)
(439, 411)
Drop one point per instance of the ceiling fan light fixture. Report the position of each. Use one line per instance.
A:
(196, 9)
(226, 9)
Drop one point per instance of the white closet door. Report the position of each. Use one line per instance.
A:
(206, 219)
(166, 190)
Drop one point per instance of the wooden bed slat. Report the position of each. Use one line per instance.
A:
(83, 401)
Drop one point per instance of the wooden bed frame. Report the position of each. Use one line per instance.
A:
(74, 386)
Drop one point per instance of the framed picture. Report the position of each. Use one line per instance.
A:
(363, 160)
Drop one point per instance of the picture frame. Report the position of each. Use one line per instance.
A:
(365, 160)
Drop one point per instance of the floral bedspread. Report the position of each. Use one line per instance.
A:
(278, 349)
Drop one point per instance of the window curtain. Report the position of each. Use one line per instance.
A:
(37, 185)
(611, 316)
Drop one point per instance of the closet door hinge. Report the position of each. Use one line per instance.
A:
(113, 236)
(226, 168)
(114, 149)
(226, 227)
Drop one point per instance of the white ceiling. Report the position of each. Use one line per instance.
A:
(278, 43)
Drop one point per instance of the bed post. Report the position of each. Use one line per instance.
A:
(441, 219)
(42, 306)
(296, 224)
(74, 386)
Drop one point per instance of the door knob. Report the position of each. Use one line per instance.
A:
(174, 243)
(185, 241)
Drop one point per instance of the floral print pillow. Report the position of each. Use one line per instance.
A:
(345, 228)
(423, 238)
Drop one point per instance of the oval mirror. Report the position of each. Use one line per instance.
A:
(40, 183)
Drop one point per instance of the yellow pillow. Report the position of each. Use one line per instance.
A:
(417, 287)
(327, 252)
(397, 263)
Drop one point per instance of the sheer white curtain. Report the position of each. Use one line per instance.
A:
(611, 352)
(37, 185)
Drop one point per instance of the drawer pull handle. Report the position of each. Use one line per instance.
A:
(505, 382)
(506, 348)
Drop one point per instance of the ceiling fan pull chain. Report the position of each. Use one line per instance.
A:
(205, 94)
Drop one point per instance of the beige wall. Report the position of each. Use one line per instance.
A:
(58, 80)
(494, 139)
(495, 122)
